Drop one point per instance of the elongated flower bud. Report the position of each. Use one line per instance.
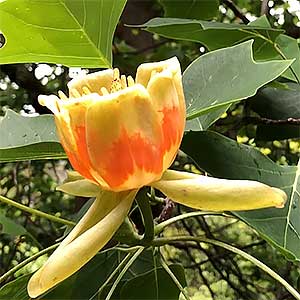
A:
(208, 193)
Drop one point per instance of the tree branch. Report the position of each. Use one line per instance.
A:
(235, 10)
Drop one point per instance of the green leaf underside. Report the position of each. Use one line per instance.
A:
(277, 132)
(278, 104)
(84, 283)
(72, 33)
(213, 35)
(190, 9)
(223, 157)
(217, 79)
(28, 138)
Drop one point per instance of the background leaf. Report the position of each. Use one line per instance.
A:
(28, 138)
(219, 78)
(72, 33)
(214, 35)
(15, 289)
(8, 226)
(191, 9)
(85, 283)
(223, 157)
(277, 104)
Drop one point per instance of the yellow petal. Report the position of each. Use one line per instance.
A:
(84, 241)
(93, 82)
(81, 187)
(208, 193)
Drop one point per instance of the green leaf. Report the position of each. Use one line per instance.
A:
(159, 285)
(191, 9)
(223, 157)
(214, 35)
(285, 46)
(15, 289)
(277, 132)
(217, 79)
(277, 104)
(25, 138)
(8, 226)
(268, 44)
(72, 33)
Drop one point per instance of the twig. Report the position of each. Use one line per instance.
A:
(235, 10)
(266, 121)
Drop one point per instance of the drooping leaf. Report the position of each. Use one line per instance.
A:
(214, 35)
(217, 79)
(191, 9)
(25, 138)
(72, 33)
(277, 104)
(223, 157)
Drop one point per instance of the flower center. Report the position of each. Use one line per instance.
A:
(119, 83)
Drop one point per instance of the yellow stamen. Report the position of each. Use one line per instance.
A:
(130, 81)
(76, 94)
(123, 81)
(62, 95)
(86, 90)
(116, 74)
(104, 91)
(153, 73)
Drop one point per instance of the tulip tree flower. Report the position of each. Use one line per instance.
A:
(121, 134)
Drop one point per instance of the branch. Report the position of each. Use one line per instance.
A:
(266, 121)
(235, 10)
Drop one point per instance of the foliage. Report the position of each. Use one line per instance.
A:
(241, 85)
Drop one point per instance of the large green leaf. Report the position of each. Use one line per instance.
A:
(223, 157)
(68, 32)
(191, 9)
(217, 79)
(28, 138)
(214, 35)
(278, 104)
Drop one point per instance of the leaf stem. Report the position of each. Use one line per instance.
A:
(122, 273)
(174, 278)
(111, 276)
(26, 261)
(146, 212)
(258, 263)
(36, 212)
(159, 228)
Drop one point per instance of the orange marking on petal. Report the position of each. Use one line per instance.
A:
(127, 155)
(172, 126)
